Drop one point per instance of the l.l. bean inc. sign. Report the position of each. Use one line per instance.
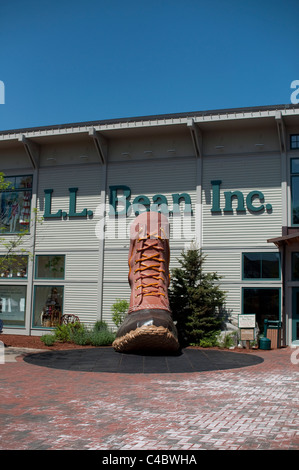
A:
(121, 203)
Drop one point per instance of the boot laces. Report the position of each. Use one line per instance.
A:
(152, 288)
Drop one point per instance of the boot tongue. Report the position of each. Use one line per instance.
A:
(152, 224)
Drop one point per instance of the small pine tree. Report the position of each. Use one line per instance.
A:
(195, 298)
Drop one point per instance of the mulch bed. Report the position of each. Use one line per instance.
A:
(34, 342)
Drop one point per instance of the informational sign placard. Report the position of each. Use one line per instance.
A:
(247, 320)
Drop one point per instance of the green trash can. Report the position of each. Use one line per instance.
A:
(265, 343)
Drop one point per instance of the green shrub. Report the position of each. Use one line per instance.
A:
(80, 335)
(102, 337)
(119, 310)
(100, 325)
(99, 335)
(64, 332)
(48, 340)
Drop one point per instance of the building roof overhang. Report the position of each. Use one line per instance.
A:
(285, 240)
(172, 122)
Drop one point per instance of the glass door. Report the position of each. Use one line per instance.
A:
(295, 314)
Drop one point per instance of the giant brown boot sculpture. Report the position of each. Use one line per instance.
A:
(148, 324)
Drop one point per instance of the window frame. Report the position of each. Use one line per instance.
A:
(14, 278)
(18, 286)
(296, 142)
(50, 286)
(18, 190)
(39, 278)
(267, 288)
(261, 279)
(292, 176)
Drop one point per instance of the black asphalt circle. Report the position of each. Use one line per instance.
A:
(108, 360)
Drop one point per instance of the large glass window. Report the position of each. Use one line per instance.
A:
(13, 305)
(13, 266)
(295, 190)
(50, 267)
(261, 266)
(48, 305)
(264, 302)
(15, 204)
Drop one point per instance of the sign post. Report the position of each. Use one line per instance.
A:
(247, 327)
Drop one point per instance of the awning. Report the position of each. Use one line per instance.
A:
(285, 240)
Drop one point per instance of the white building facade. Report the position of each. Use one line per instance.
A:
(228, 181)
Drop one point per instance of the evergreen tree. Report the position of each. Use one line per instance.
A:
(196, 299)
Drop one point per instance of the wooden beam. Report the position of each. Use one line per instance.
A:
(100, 143)
(196, 136)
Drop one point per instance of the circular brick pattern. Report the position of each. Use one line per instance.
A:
(107, 360)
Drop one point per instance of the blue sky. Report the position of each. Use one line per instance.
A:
(64, 61)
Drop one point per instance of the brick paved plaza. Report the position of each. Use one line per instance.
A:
(251, 407)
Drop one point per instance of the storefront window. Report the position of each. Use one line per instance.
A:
(13, 266)
(15, 204)
(295, 190)
(264, 302)
(261, 266)
(50, 267)
(13, 305)
(48, 304)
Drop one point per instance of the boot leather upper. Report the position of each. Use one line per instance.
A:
(149, 262)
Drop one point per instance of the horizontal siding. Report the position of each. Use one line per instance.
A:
(82, 267)
(243, 174)
(226, 264)
(82, 301)
(112, 292)
(78, 233)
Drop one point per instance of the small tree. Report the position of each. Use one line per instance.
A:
(196, 299)
(119, 310)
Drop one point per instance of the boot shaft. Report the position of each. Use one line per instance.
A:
(149, 262)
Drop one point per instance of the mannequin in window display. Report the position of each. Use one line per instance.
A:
(51, 313)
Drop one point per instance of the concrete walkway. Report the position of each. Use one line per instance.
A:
(254, 406)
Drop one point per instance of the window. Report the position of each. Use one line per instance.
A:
(264, 302)
(13, 266)
(50, 267)
(13, 305)
(295, 266)
(294, 141)
(295, 190)
(15, 204)
(48, 303)
(261, 266)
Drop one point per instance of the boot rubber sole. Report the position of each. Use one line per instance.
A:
(147, 338)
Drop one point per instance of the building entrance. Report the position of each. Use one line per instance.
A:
(295, 314)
